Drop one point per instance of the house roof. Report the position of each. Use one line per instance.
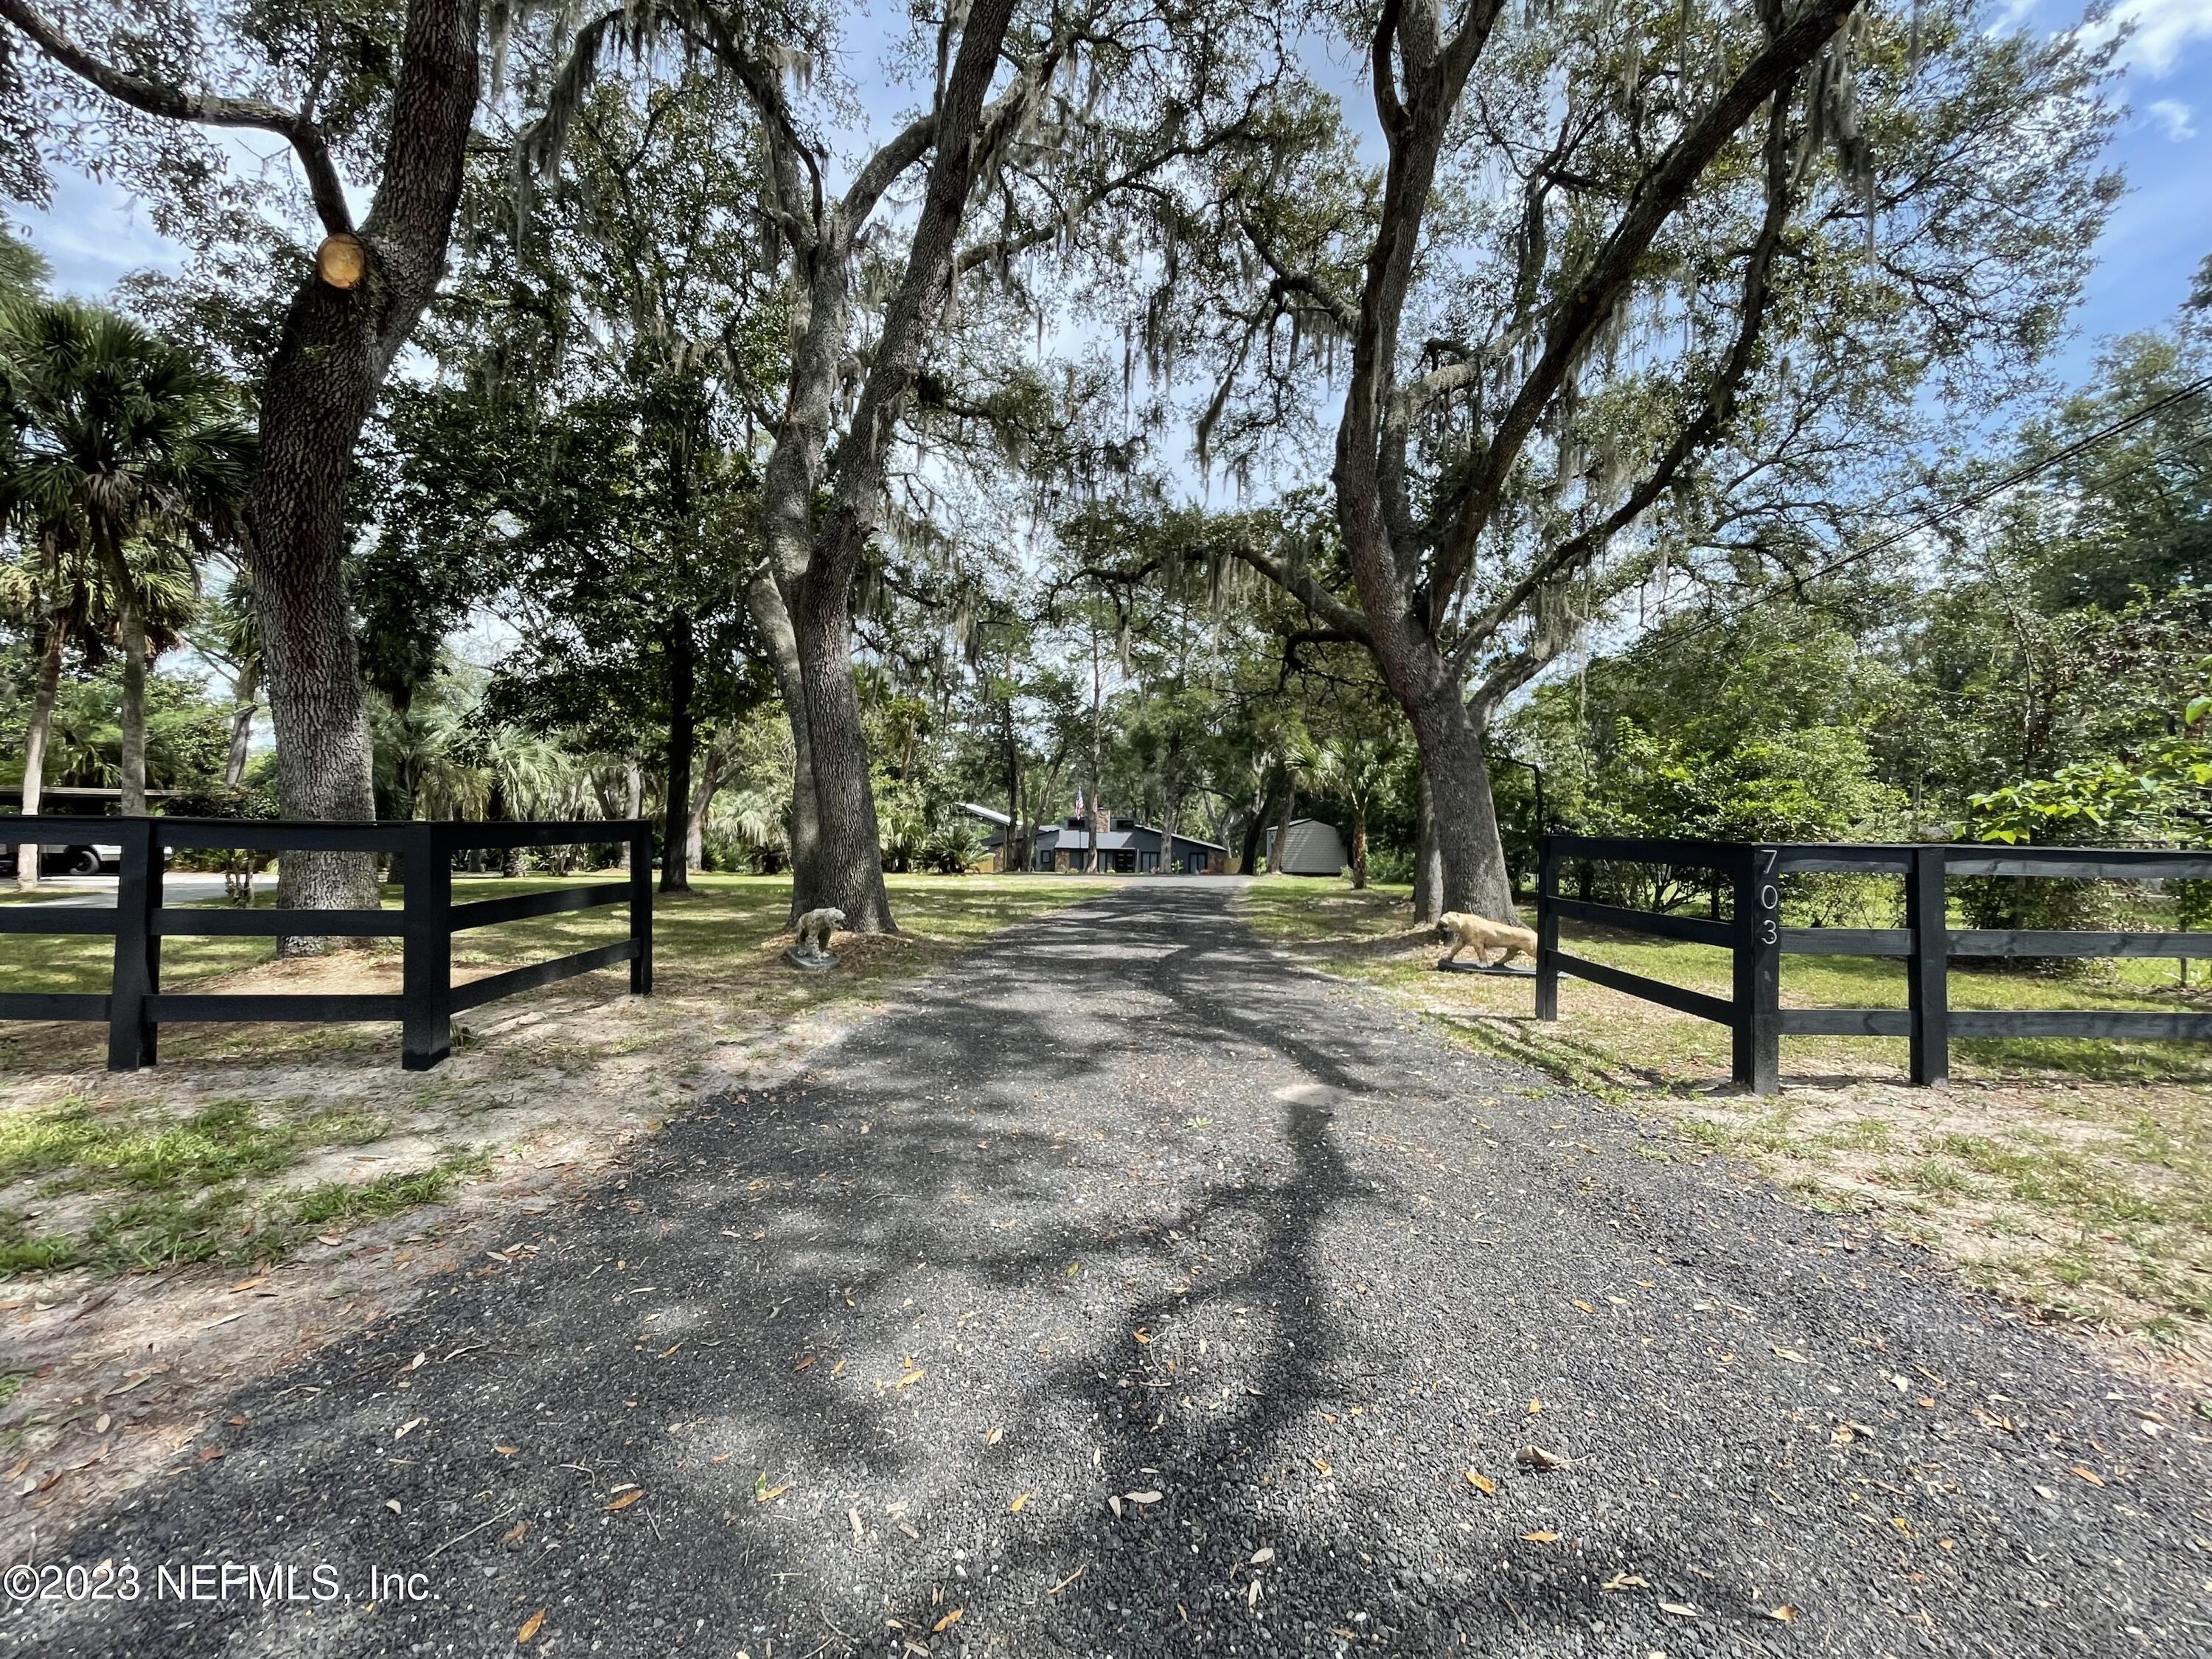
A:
(1055, 836)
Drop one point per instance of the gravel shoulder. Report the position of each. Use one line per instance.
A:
(1130, 1290)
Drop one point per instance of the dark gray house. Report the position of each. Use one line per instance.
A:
(1128, 848)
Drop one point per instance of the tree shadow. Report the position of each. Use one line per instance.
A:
(1090, 1191)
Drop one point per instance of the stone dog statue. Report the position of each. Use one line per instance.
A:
(810, 949)
(1484, 934)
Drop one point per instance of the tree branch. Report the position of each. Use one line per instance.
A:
(159, 98)
(1610, 272)
(1696, 432)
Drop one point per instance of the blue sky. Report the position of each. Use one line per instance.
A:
(2158, 235)
(2162, 228)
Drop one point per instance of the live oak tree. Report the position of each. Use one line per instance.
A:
(388, 98)
(1040, 119)
(1637, 295)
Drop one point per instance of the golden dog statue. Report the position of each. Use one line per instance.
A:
(1484, 934)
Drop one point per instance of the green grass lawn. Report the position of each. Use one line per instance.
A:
(2072, 1175)
(204, 1158)
(1696, 1052)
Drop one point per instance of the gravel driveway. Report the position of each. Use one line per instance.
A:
(1129, 1290)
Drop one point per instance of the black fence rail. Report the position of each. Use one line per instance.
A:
(1754, 935)
(134, 1007)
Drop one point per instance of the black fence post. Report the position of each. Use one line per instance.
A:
(1928, 982)
(132, 1033)
(1547, 932)
(425, 991)
(640, 910)
(1756, 1046)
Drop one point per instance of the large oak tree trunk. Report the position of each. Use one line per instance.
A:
(683, 674)
(336, 350)
(34, 742)
(849, 871)
(1464, 819)
(771, 620)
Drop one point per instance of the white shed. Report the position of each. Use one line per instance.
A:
(1311, 848)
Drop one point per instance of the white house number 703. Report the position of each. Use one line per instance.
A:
(1770, 900)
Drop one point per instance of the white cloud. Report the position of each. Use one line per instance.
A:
(2161, 28)
(2174, 116)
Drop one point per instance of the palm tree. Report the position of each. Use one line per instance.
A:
(1356, 768)
(63, 596)
(113, 437)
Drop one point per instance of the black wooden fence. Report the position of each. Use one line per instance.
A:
(1927, 942)
(135, 1007)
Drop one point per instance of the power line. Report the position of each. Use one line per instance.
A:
(1973, 499)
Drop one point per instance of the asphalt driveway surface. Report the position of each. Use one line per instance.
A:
(1129, 1290)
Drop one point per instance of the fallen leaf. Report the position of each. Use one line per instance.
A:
(1535, 1405)
(504, 1452)
(1322, 1464)
(99, 1424)
(837, 1369)
(859, 1531)
(1252, 1593)
(1481, 1483)
(772, 1493)
(409, 1427)
(911, 1376)
(1142, 1336)
(991, 1435)
(627, 1499)
(248, 1283)
(393, 1503)
(1113, 1502)
(1015, 1508)
(1792, 1356)
(1540, 1538)
(1262, 1556)
(513, 1533)
(1144, 1497)
(673, 1346)
(531, 1627)
(1584, 1306)
(1622, 1580)
(415, 1363)
(910, 1532)
(1785, 1613)
(2089, 1475)
(947, 1622)
(803, 1364)
(1537, 1458)
(1679, 1609)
